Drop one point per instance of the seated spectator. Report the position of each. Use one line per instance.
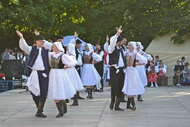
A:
(162, 78)
(152, 74)
(186, 74)
(178, 75)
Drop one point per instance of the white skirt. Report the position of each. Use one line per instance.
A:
(132, 84)
(90, 76)
(142, 73)
(75, 78)
(60, 86)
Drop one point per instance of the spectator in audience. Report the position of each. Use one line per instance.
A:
(6, 55)
(186, 74)
(178, 75)
(152, 74)
(182, 62)
(157, 60)
(162, 78)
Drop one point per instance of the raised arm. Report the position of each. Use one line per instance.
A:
(113, 40)
(22, 43)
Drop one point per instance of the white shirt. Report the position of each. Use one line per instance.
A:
(120, 62)
(112, 45)
(38, 64)
(79, 59)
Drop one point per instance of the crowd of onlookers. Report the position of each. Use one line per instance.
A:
(13, 54)
(181, 73)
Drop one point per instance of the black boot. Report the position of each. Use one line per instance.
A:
(91, 95)
(123, 98)
(117, 108)
(64, 107)
(133, 103)
(40, 110)
(139, 98)
(67, 100)
(75, 102)
(89, 92)
(112, 102)
(79, 97)
(60, 109)
(129, 103)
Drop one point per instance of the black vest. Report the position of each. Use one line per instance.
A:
(77, 53)
(34, 54)
(114, 56)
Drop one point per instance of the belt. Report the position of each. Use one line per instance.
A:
(139, 64)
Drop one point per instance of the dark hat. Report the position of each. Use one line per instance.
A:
(183, 57)
(58, 37)
(39, 37)
(78, 41)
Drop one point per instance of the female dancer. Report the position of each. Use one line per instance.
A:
(132, 85)
(60, 86)
(89, 75)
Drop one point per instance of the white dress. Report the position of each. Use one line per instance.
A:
(72, 72)
(142, 70)
(89, 74)
(133, 84)
(60, 86)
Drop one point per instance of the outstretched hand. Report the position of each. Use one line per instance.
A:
(107, 38)
(19, 34)
(76, 34)
(119, 30)
(36, 32)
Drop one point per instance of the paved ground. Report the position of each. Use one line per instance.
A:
(162, 107)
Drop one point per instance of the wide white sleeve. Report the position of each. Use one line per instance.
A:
(147, 56)
(141, 59)
(112, 45)
(71, 49)
(48, 45)
(73, 41)
(24, 46)
(102, 53)
(68, 60)
(96, 57)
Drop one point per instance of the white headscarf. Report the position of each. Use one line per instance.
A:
(90, 47)
(134, 45)
(141, 47)
(59, 46)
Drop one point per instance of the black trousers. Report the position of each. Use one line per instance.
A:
(43, 82)
(78, 68)
(100, 69)
(116, 82)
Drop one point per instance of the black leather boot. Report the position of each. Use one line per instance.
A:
(79, 97)
(129, 103)
(40, 110)
(75, 101)
(139, 98)
(88, 91)
(117, 103)
(133, 103)
(60, 109)
(64, 104)
(91, 95)
(123, 98)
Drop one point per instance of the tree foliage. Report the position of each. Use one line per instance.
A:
(94, 19)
